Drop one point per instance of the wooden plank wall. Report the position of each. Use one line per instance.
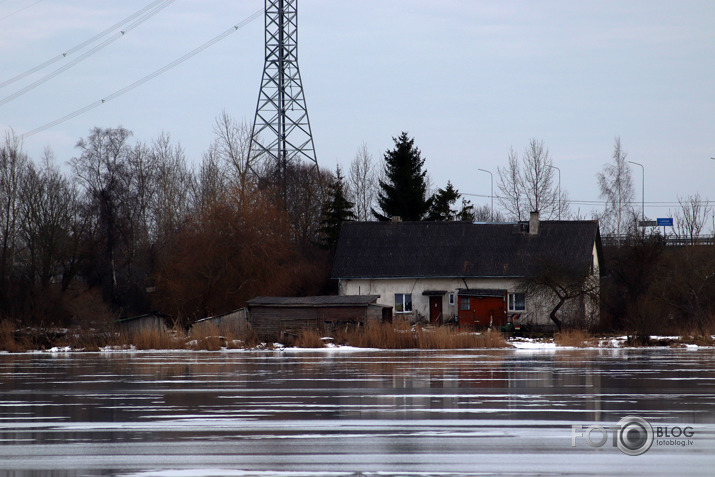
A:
(271, 322)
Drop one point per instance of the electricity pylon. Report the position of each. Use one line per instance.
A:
(281, 128)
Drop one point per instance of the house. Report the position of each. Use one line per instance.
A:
(272, 317)
(472, 274)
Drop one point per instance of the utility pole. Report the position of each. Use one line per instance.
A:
(559, 171)
(281, 130)
(642, 190)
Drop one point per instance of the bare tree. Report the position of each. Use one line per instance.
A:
(528, 185)
(561, 284)
(47, 211)
(483, 213)
(362, 183)
(173, 180)
(616, 187)
(102, 168)
(692, 217)
(209, 185)
(231, 146)
(13, 164)
(538, 180)
(511, 187)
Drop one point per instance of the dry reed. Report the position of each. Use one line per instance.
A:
(575, 338)
(8, 339)
(401, 336)
(155, 338)
(209, 337)
(308, 339)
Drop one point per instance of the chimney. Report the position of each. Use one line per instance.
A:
(396, 218)
(534, 223)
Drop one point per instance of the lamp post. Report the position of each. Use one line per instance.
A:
(642, 189)
(559, 171)
(491, 176)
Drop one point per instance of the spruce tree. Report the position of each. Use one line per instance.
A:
(441, 204)
(337, 210)
(403, 193)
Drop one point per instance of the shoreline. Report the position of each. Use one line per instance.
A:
(512, 344)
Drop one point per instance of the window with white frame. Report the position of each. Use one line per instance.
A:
(517, 302)
(451, 298)
(403, 302)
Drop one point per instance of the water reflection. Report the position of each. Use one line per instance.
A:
(112, 412)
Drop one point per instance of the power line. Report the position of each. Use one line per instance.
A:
(651, 204)
(80, 46)
(20, 10)
(87, 54)
(148, 77)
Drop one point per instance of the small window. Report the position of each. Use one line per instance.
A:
(451, 298)
(517, 302)
(403, 302)
(464, 303)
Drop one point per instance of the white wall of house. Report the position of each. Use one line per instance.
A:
(537, 307)
(388, 287)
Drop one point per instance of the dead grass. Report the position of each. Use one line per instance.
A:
(154, 339)
(86, 340)
(491, 339)
(402, 336)
(308, 339)
(696, 338)
(574, 338)
(8, 339)
(209, 337)
(448, 338)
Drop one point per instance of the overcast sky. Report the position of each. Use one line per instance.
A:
(467, 79)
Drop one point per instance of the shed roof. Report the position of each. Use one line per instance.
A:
(314, 301)
(460, 249)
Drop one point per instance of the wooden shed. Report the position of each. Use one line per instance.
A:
(272, 317)
(143, 323)
(234, 322)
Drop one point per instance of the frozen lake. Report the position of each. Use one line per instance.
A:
(354, 413)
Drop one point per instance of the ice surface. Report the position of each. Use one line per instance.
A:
(335, 412)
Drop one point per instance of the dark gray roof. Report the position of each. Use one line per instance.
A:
(460, 249)
(314, 301)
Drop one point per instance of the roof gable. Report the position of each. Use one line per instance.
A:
(459, 249)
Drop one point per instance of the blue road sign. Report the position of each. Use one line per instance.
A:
(665, 222)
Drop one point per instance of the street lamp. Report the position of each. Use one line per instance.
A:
(559, 170)
(491, 176)
(642, 189)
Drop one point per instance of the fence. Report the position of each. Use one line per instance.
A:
(620, 240)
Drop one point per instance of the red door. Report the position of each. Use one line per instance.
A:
(483, 311)
(488, 311)
(435, 310)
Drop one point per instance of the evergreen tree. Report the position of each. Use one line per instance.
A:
(403, 193)
(441, 207)
(467, 213)
(337, 210)
(441, 204)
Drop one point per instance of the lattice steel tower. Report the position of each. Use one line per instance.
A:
(281, 128)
